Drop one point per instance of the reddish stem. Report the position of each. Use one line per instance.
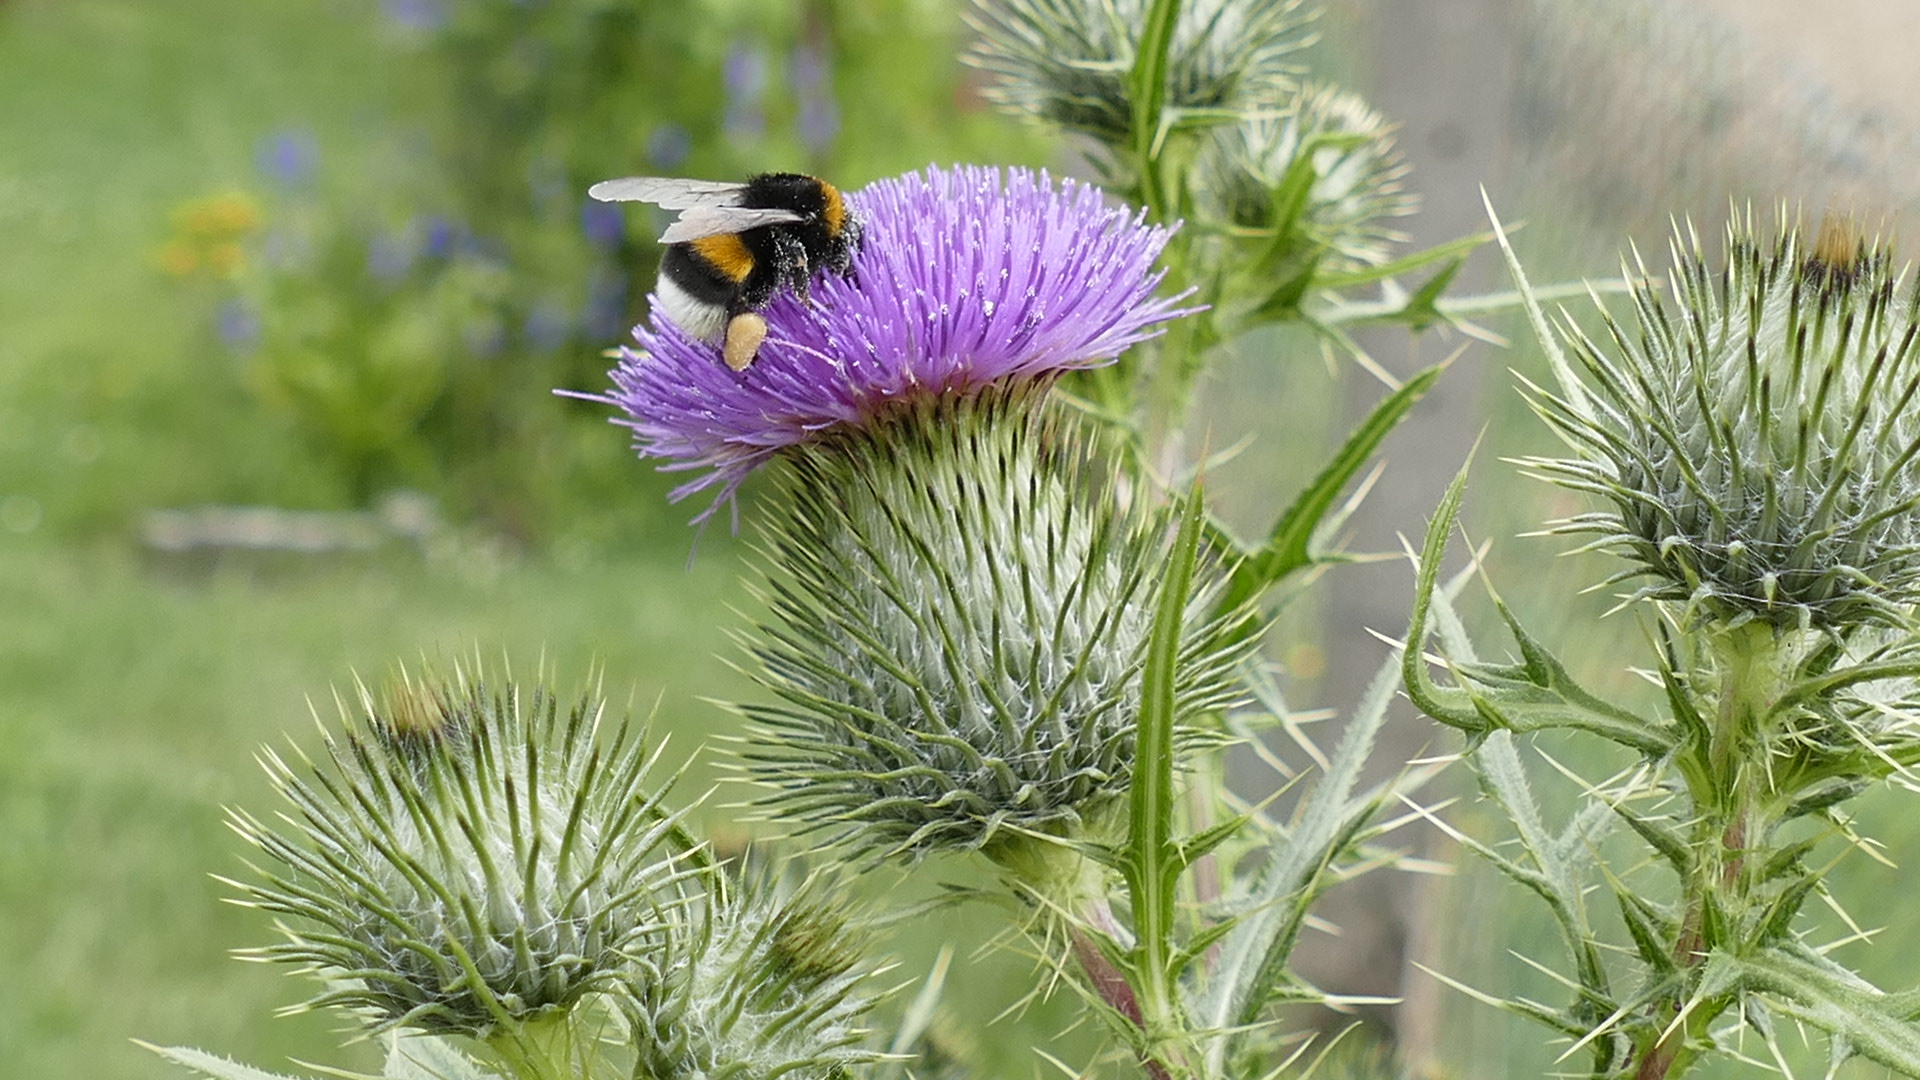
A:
(1112, 986)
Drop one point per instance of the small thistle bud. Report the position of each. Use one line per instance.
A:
(960, 613)
(464, 857)
(1357, 170)
(1758, 438)
(1070, 61)
(751, 984)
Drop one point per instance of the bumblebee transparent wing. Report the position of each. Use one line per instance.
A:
(702, 221)
(670, 192)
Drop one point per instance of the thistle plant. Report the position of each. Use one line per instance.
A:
(960, 627)
(1285, 187)
(484, 877)
(1001, 624)
(986, 633)
(1751, 447)
(761, 981)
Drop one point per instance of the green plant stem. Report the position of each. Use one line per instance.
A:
(1754, 663)
(1109, 982)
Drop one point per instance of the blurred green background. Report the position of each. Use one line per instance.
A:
(328, 258)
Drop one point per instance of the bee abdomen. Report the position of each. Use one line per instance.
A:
(695, 293)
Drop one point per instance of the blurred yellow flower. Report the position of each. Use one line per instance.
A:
(209, 234)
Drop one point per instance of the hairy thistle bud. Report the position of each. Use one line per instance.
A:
(751, 983)
(464, 856)
(1071, 61)
(1356, 184)
(960, 614)
(1757, 438)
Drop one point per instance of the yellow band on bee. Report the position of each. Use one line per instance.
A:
(725, 253)
(835, 211)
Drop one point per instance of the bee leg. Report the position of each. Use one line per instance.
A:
(842, 260)
(791, 265)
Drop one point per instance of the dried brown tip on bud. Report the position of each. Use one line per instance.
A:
(1841, 244)
(412, 713)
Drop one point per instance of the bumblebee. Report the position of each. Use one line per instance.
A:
(734, 246)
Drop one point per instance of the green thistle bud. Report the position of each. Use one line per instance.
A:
(751, 984)
(1357, 175)
(960, 614)
(1070, 61)
(464, 858)
(1757, 438)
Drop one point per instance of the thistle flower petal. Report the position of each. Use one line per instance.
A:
(967, 277)
(1756, 441)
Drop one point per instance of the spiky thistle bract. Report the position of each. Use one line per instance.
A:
(1755, 436)
(465, 854)
(960, 607)
(756, 980)
(1070, 61)
(1357, 183)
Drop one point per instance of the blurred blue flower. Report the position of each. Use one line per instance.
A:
(290, 156)
(391, 255)
(422, 15)
(238, 325)
(439, 236)
(606, 308)
(812, 77)
(744, 75)
(668, 145)
(548, 326)
(486, 338)
(603, 224)
(967, 278)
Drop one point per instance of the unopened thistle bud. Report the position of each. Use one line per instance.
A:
(1756, 436)
(751, 983)
(1357, 175)
(1070, 61)
(960, 617)
(464, 856)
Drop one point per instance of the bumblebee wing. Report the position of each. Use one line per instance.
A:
(670, 192)
(700, 221)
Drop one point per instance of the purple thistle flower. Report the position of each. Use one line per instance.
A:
(967, 278)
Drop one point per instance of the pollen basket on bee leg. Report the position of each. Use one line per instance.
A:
(745, 334)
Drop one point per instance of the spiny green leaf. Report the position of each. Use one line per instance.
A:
(426, 1057)
(212, 1065)
(1152, 864)
(1872, 1024)
(1288, 545)
(1254, 956)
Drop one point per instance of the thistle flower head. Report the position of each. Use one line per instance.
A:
(1357, 174)
(966, 277)
(960, 616)
(1756, 439)
(1070, 61)
(753, 982)
(464, 856)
